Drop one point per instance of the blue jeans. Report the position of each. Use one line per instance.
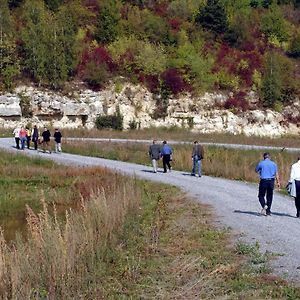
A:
(23, 140)
(196, 163)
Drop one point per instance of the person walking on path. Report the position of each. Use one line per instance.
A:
(46, 140)
(295, 185)
(268, 172)
(28, 136)
(154, 153)
(16, 134)
(197, 156)
(23, 138)
(35, 136)
(57, 139)
(166, 153)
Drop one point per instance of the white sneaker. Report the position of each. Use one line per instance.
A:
(264, 211)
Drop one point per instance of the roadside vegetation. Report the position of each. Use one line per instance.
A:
(173, 133)
(218, 161)
(180, 134)
(168, 46)
(128, 239)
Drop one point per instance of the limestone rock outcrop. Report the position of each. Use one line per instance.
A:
(82, 106)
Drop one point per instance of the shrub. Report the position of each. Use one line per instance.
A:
(110, 121)
(133, 124)
(237, 102)
(174, 81)
(96, 66)
(25, 105)
(294, 49)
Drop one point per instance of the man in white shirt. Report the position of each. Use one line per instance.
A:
(16, 133)
(295, 182)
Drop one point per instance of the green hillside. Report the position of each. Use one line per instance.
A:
(169, 46)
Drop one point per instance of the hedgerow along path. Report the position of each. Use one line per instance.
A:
(234, 203)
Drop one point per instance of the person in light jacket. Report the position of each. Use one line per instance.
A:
(295, 185)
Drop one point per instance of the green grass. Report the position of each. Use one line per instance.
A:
(127, 239)
(175, 133)
(171, 251)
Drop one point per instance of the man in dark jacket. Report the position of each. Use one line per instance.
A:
(154, 153)
(57, 139)
(197, 156)
(35, 136)
(46, 140)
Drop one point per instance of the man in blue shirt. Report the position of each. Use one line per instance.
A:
(268, 172)
(166, 153)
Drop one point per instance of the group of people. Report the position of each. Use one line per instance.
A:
(165, 152)
(266, 168)
(25, 135)
(268, 172)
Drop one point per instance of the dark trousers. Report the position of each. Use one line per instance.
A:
(297, 198)
(266, 186)
(28, 141)
(17, 142)
(166, 162)
(35, 142)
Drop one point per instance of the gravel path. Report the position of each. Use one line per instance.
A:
(235, 205)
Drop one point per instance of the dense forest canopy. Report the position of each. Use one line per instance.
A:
(169, 46)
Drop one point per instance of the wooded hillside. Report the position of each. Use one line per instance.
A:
(169, 46)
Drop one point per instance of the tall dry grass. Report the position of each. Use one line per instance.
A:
(184, 134)
(60, 260)
(220, 162)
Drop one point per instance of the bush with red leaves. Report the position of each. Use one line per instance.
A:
(240, 63)
(150, 81)
(237, 102)
(96, 66)
(175, 24)
(174, 82)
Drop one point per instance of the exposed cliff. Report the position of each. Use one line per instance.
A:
(81, 107)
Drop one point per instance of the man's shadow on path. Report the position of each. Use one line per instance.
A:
(257, 214)
(151, 171)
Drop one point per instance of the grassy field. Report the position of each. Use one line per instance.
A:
(120, 238)
(220, 162)
(175, 133)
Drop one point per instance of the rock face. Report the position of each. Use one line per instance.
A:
(81, 107)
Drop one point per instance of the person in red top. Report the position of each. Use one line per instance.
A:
(23, 137)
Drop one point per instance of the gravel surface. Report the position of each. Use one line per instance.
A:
(234, 203)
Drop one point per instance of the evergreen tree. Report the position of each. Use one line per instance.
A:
(294, 49)
(9, 61)
(53, 4)
(107, 24)
(213, 17)
(44, 45)
(271, 81)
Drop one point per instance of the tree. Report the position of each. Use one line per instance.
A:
(53, 4)
(213, 17)
(5, 20)
(294, 49)
(271, 81)
(107, 24)
(9, 61)
(46, 47)
(274, 25)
